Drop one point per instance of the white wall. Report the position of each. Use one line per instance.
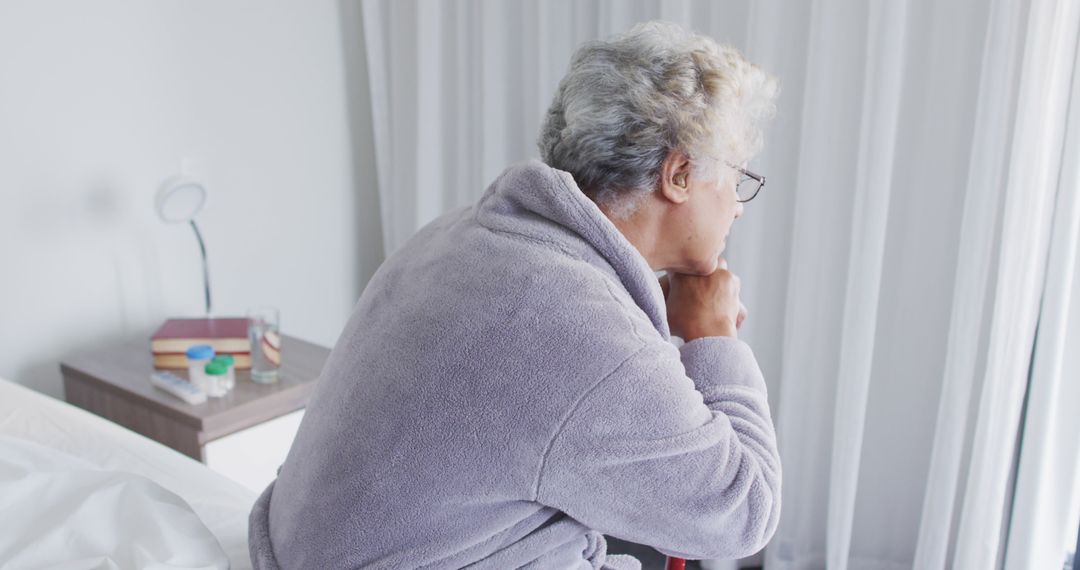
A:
(100, 101)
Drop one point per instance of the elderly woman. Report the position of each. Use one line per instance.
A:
(506, 391)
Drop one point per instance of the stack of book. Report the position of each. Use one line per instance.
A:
(225, 335)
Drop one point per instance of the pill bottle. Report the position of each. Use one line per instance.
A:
(198, 356)
(216, 382)
(230, 376)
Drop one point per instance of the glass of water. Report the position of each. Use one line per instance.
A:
(263, 327)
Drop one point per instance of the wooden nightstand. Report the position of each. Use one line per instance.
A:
(114, 383)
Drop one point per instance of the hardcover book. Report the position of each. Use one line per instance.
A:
(224, 335)
(179, 360)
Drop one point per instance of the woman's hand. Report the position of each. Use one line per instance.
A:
(703, 305)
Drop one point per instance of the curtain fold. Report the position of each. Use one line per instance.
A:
(987, 169)
(872, 191)
(892, 267)
(1045, 514)
(1034, 168)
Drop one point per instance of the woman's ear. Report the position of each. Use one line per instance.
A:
(675, 177)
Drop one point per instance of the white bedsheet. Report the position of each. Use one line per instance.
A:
(220, 503)
(63, 512)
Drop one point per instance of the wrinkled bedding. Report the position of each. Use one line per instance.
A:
(63, 469)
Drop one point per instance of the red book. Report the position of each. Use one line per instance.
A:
(224, 335)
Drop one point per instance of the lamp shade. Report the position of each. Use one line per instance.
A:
(179, 199)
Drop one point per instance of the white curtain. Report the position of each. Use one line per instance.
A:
(1046, 512)
(894, 267)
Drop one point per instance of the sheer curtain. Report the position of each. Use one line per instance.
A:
(895, 267)
(1047, 499)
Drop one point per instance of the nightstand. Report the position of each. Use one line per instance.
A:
(245, 435)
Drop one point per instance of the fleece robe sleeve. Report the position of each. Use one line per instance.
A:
(675, 449)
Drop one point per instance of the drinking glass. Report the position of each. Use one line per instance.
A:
(263, 327)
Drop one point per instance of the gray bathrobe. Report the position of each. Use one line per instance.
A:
(505, 393)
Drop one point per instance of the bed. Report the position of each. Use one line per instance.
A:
(71, 482)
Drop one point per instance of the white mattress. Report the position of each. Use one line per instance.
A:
(220, 503)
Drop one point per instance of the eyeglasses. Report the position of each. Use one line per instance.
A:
(749, 184)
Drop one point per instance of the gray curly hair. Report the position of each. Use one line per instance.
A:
(627, 101)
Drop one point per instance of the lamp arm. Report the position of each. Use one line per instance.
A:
(205, 266)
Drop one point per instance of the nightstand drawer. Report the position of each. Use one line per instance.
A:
(252, 456)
